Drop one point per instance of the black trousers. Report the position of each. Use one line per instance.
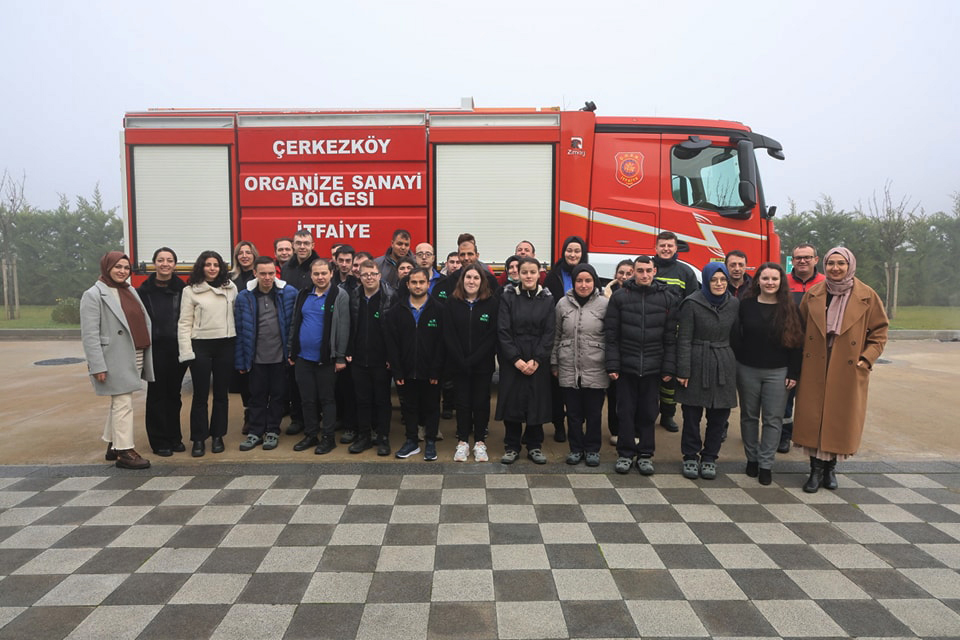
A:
(513, 433)
(292, 399)
(637, 404)
(420, 405)
(584, 406)
(213, 357)
(556, 404)
(690, 444)
(268, 386)
(371, 386)
(316, 383)
(613, 422)
(162, 414)
(473, 405)
(346, 407)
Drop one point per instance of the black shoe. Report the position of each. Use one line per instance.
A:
(559, 434)
(383, 446)
(199, 448)
(723, 434)
(668, 423)
(830, 475)
(813, 483)
(327, 444)
(784, 446)
(766, 476)
(111, 453)
(294, 428)
(348, 436)
(163, 453)
(306, 443)
(216, 444)
(446, 414)
(179, 448)
(753, 468)
(361, 444)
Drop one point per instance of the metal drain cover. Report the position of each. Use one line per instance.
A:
(55, 361)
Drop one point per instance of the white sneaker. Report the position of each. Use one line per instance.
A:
(480, 452)
(463, 450)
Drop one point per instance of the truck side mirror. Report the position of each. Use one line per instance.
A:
(748, 173)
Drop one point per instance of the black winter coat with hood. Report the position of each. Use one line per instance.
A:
(641, 329)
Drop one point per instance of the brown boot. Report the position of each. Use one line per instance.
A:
(130, 459)
(111, 453)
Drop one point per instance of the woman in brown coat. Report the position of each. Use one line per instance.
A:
(846, 330)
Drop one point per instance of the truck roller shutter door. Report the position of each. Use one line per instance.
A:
(501, 193)
(181, 200)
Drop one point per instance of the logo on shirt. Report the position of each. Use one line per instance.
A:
(442, 294)
(432, 323)
(376, 315)
(485, 317)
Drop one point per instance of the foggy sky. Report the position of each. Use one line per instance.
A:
(858, 93)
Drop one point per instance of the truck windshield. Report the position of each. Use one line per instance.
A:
(708, 180)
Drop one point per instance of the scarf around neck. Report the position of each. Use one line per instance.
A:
(839, 290)
(129, 303)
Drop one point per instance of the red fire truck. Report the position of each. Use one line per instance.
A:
(206, 179)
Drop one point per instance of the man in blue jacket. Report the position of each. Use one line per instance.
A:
(262, 314)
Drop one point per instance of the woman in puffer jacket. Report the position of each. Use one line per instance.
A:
(578, 363)
(206, 336)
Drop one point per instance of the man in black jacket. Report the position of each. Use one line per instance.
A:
(683, 280)
(415, 351)
(367, 355)
(641, 335)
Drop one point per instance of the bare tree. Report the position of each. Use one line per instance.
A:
(891, 226)
(12, 204)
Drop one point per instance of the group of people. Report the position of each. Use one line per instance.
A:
(321, 339)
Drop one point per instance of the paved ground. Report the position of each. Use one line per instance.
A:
(308, 551)
(284, 545)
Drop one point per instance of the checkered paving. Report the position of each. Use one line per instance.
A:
(295, 551)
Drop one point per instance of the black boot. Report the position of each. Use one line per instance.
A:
(816, 476)
(830, 475)
(559, 432)
(361, 444)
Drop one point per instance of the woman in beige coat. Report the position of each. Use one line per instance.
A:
(846, 330)
(206, 335)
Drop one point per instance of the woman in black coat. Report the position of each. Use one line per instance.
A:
(560, 281)
(470, 334)
(160, 294)
(526, 325)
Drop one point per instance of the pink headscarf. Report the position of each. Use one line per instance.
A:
(839, 290)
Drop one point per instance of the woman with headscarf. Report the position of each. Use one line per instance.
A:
(206, 334)
(706, 370)
(579, 365)
(115, 330)
(558, 282)
(768, 347)
(846, 331)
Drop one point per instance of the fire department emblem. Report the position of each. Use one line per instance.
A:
(629, 168)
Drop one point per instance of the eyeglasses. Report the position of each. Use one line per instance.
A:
(423, 254)
(371, 274)
(803, 258)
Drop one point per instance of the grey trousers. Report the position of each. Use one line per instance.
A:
(763, 399)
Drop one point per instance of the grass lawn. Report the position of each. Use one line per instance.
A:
(926, 318)
(34, 317)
